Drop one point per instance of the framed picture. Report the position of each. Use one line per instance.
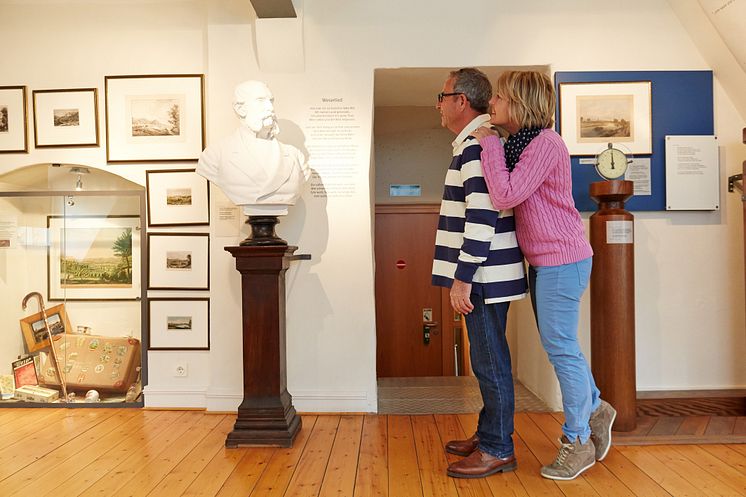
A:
(177, 197)
(66, 118)
(594, 114)
(13, 120)
(178, 261)
(154, 118)
(35, 330)
(94, 258)
(179, 324)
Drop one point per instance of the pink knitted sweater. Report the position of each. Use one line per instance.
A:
(539, 190)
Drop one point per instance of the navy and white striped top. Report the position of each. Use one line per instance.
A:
(475, 243)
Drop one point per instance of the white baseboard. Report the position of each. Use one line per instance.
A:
(174, 399)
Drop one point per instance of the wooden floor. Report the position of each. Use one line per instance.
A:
(108, 452)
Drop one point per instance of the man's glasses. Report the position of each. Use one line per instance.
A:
(442, 95)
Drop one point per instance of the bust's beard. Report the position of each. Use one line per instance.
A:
(267, 129)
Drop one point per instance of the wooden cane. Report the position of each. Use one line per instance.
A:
(56, 360)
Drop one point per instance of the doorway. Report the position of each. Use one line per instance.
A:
(419, 338)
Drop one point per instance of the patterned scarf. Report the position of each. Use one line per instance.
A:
(516, 143)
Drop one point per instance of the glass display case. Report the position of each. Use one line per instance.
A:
(71, 269)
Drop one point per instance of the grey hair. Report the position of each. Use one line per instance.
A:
(475, 85)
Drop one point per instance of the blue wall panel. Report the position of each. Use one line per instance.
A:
(682, 104)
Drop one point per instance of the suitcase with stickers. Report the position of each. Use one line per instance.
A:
(93, 362)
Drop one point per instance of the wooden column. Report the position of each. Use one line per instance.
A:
(613, 301)
(266, 416)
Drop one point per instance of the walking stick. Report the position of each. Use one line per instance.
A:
(56, 360)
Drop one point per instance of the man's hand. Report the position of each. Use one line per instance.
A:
(460, 300)
(483, 132)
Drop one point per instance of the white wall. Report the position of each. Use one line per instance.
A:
(689, 267)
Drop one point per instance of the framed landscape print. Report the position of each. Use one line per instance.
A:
(35, 330)
(595, 114)
(13, 120)
(179, 324)
(66, 118)
(178, 261)
(177, 197)
(94, 258)
(154, 118)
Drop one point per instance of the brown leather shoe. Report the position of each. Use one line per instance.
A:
(463, 447)
(479, 465)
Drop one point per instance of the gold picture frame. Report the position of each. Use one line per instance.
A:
(593, 114)
(154, 118)
(35, 331)
(13, 120)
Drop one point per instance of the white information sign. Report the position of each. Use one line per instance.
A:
(620, 231)
(638, 172)
(8, 231)
(692, 173)
(228, 222)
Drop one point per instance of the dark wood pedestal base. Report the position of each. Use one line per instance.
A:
(266, 416)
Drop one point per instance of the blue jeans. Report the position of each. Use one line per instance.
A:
(555, 296)
(490, 361)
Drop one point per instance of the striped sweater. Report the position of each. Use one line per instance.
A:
(476, 243)
(550, 230)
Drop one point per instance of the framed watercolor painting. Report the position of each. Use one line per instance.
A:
(595, 114)
(154, 118)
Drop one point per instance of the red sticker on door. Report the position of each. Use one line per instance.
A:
(400, 264)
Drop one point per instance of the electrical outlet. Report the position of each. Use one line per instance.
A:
(180, 369)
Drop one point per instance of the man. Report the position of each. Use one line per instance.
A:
(251, 166)
(477, 257)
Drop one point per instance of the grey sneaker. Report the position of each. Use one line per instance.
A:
(601, 422)
(573, 458)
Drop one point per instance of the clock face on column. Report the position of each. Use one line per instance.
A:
(611, 163)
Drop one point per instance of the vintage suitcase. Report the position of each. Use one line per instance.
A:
(92, 362)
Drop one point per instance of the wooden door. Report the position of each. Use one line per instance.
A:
(743, 201)
(404, 247)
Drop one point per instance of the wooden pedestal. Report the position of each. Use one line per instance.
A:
(613, 301)
(266, 416)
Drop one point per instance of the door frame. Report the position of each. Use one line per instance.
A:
(446, 318)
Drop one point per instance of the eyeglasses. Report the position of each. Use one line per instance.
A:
(442, 95)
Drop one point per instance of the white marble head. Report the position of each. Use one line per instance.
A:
(254, 105)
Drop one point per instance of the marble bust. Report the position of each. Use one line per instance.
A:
(254, 169)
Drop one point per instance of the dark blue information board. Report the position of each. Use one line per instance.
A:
(682, 104)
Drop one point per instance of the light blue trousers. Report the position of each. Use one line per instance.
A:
(555, 296)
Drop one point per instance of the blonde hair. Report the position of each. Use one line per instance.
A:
(530, 96)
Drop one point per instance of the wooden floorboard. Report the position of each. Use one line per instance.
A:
(107, 452)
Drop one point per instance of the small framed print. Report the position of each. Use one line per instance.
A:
(594, 114)
(179, 324)
(177, 197)
(34, 328)
(154, 118)
(178, 261)
(66, 118)
(13, 120)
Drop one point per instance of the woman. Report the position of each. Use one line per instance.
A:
(531, 174)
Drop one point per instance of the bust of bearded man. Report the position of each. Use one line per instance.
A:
(253, 168)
